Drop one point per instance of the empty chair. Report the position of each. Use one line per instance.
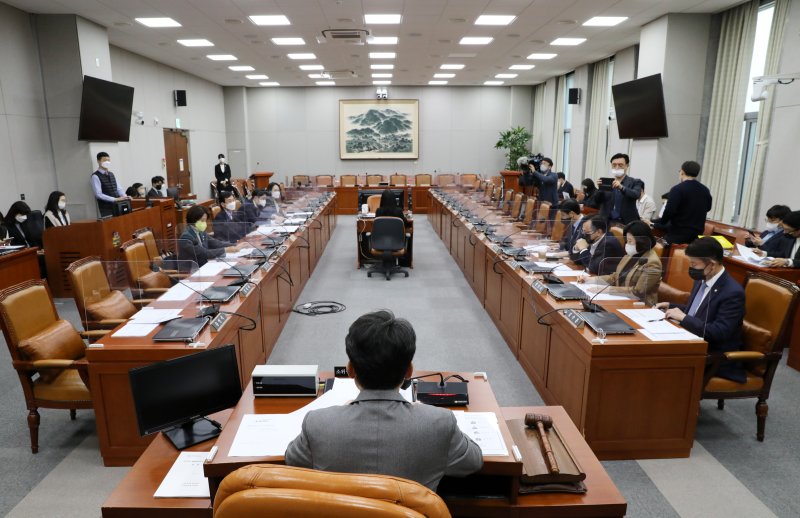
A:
(398, 180)
(443, 180)
(423, 180)
(543, 217)
(347, 180)
(143, 280)
(301, 180)
(388, 242)
(374, 180)
(516, 205)
(373, 202)
(468, 180)
(527, 215)
(324, 180)
(99, 306)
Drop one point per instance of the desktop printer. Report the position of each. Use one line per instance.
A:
(285, 380)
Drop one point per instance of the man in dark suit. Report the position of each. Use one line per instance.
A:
(772, 240)
(547, 182)
(684, 216)
(618, 205)
(564, 187)
(598, 251)
(788, 255)
(229, 224)
(715, 309)
(222, 172)
(571, 218)
(380, 431)
(157, 190)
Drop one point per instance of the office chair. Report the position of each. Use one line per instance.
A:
(98, 305)
(388, 241)
(373, 202)
(324, 180)
(347, 180)
(144, 282)
(444, 180)
(374, 180)
(398, 180)
(291, 492)
(423, 180)
(301, 180)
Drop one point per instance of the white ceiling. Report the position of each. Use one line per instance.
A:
(428, 35)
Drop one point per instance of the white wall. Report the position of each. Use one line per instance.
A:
(296, 130)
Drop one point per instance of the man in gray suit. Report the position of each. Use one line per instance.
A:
(380, 432)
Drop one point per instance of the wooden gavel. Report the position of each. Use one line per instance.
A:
(543, 423)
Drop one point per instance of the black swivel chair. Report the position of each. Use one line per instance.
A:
(388, 242)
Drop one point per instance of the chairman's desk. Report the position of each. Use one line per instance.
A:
(347, 197)
(364, 227)
(631, 398)
(19, 266)
(270, 305)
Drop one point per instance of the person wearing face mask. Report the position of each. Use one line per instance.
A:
(787, 255)
(547, 182)
(565, 189)
(716, 305)
(137, 190)
(619, 204)
(772, 240)
(3, 231)
(105, 186)
(640, 270)
(222, 172)
(596, 250)
(570, 213)
(158, 190)
(195, 244)
(588, 194)
(684, 216)
(645, 206)
(230, 224)
(17, 225)
(276, 193)
(55, 212)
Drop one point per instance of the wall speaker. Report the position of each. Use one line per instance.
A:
(574, 96)
(180, 97)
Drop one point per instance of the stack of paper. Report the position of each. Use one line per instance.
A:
(133, 328)
(592, 290)
(276, 229)
(561, 270)
(653, 326)
(239, 253)
(149, 315)
(185, 290)
(185, 478)
(211, 269)
(482, 427)
(747, 254)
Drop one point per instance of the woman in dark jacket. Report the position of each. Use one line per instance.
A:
(16, 224)
(388, 207)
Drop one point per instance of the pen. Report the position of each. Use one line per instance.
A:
(517, 454)
(657, 319)
(211, 454)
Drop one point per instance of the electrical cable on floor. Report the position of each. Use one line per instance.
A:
(319, 307)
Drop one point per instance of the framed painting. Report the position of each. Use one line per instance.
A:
(378, 129)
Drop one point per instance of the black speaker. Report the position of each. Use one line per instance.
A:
(180, 97)
(574, 96)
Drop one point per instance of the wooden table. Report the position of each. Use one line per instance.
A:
(364, 226)
(19, 266)
(631, 398)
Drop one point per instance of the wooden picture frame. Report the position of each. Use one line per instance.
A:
(379, 129)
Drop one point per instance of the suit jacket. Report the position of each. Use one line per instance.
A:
(719, 321)
(230, 226)
(198, 247)
(222, 173)
(19, 233)
(684, 216)
(605, 258)
(571, 236)
(646, 208)
(779, 245)
(380, 432)
(152, 193)
(631, 190)
(548, 186)
(643, 277)
(566, 188)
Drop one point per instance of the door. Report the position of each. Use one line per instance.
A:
(176, 153)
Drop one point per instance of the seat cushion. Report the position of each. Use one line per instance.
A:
(114, 306)
(725, 385)
(756, 338)
(59, 341)
(67, 386)
(153, 280)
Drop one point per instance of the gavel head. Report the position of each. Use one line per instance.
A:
(532, 419)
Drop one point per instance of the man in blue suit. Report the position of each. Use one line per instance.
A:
(570, 213)
(598, 251)
(548, 183)
(715, 309)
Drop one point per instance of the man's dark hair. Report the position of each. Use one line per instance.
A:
(220, 156)
(691, 168)
(195, 214)
(156, 179)
(102, 154)
(705, 248)
(621, 155)
(599, 223)
(778, 211)
(642, 235)
(381, 348)
(548, 160)
(792, 219)
(224, 195)
(260, 192)
(561, 175)
(570, 206)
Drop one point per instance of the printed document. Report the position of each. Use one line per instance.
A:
(482, 427)
(185, 478)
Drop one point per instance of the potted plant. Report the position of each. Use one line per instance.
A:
(515, 141)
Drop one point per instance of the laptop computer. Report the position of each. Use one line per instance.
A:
(181, 330)
(566, 292)
(220, 293)
(608, 322)
(532, 267)
(241, 270)
(261, 253)
(514, 251)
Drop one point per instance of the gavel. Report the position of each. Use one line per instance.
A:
(542, 423)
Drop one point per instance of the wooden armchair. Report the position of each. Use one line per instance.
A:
(398, 180)
(516, 205)
(543, 218)
(423, 180)
(444, 180)
(374, 180)
(41, 343)
(145, 282)
(527, 216)
(770, 304)
(301, 180)
(373, 202)
(99, 306)
(469, 179)
(347, 180)
(324, 180)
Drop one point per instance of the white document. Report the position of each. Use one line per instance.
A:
(482, 427)
(747, 254)
(265, 435)
(185, 478)
(149, 315)
(135, 329)
(210, 269)
(592, 291)
(185, 290)
(656, 329)
(273, 229)
(561, 269)
(680, 335)
(299, 214)
(343, 392)
(294, 221)
(237, 254)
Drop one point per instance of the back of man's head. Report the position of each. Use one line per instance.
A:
(599, 223)
(570, 206)
(691, 168)
(705, 248)
(380, 348)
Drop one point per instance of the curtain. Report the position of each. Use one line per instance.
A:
(537, 143)
(751, 200)
(725, 119)
(558, 124)
(597, 135)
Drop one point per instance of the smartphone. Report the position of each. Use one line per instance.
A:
(605, 184)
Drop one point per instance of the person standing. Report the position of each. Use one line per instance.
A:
(55, 212)
(684, 216)
(222, 172)
(547, 183)
(619, 204)
(105, 186)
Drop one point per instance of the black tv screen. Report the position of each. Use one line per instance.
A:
(105, 111)
(639, 105)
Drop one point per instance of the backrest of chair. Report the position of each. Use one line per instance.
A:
(618, 232)
(558, 230)
(146, 235)
(347, 180)
(659, 250)
(770, 303)
(468, 179)
(388, 233)
(89, 282)
(25, 309)
(423, 179)
(489, 192)
(676, 268)
(445, 179)
(516, 205)
(215, 210)
(543, 216)
(398, 179)
(324, 180)
(530, 204)
(301, 179)
(290, 492)
(373, 202)
(373, 180)
(137, 264)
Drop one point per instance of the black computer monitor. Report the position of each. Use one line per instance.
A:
(121, 207)
(175, 396)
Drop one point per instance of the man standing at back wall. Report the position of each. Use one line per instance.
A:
(684, 216)
(105, 186)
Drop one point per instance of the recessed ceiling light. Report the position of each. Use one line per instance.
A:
(451, 66)
(495, 19)
(476, 40)
(378, 76)
(270, 19)
(242, 68)
(306, 55)
(222, 57)
(505, 76)
(257, 76)
(382, 67)
(158, 23)
(269, 83)
(604, 21)
(567, 41)
(326, 83)
(317, 76)
(288, 41)
(521, 67)
(437, 83)
(493, 83)
(378, 83)
(312, 67)
(196, 43)
(542, 56)
(382, 18)
(461, 55)
(443, 76)
(382, 55)
(382, 40)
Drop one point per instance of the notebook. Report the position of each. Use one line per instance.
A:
(181, 330)
(241, 270)
(220, 293)
(608, 322)
(566, 292)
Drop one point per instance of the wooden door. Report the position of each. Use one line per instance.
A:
(176, 153)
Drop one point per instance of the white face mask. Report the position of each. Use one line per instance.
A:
(276, 195)
(262, 203)
(618, 173)
(772, 227)
(231, 205)
(62, 205)
(106, 164)
(221, 160)
(21, 219)
(630, 249)
(544, 168)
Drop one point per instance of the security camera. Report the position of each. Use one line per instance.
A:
(761, 84)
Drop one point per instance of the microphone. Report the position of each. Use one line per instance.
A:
(209, 311)
(590, 306)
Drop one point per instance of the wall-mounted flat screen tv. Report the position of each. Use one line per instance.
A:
(639, 105)
(105, 111)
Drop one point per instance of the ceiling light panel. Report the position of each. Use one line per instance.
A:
(505, 76)
(288, 41)
(382, 40)
(444, 76)
(242, 68)
(382, 55)
(222, 57)
(542, 56)
(317, 76)
(312, 67)
(381, 67)
(158, 23)
(493, 83)
(567, 41)
(379, 83)
(269, 83)
(257, 76)
(495, 19)
(306, 55)
(381, 76)
(437, 83)
(452, 66)
(196, 43)
(476, 40)
(382, 19)
(326, 83)
(269, 19)
(604, 21)
(521, 67)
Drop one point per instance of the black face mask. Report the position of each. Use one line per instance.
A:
(698, 274)
(588, 238)
(157, 186)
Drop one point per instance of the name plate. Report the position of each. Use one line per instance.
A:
(219, 321)
(495, 248)
(574, 318)
(266, 266)
(246, 289)
(539, 287)
(302, 228)
(514, 265)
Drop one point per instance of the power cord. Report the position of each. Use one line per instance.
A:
(319, 307)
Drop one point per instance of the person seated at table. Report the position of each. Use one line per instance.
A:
(158, 190)
(570, 213)
(597, 250)
(565, 189)
(3, 230)
(55, 212)
(640, 270)
(195, 245)
(788, 254)
(388, 207)
(715, 309)
(589, 193)
(772, 239)
(258, 210)
(136, 190)
(380, 432)
(20, 228)
(229, 224)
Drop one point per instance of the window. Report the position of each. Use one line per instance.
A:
(569, 83)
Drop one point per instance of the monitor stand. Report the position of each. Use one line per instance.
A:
(191, 433)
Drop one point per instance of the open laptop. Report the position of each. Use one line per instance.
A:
(241, 270)
(220, 293)
(566, 292)
(181, 330)
(532, 267)
(608, 322)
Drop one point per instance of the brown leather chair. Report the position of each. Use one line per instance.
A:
(675, 268)
(558, 230)
(659, 250)
(527, 216)
(324, 180)
(619, 233)
(347, 180)
(399, 180)
(543, 217)
(290, 492)
(468, 180)
(98, 305)
(40, 342)
(488, 193)
(444, 180)
(516, 205)
(373, 202)
(299, 180)
(144, 282)
(423, 180)
(770, 304)
(374, 180)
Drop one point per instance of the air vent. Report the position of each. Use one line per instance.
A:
(339, 74)
(346, 36)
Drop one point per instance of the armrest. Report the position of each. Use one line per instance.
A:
(53, 364)
(93, 334)
(140, 303)
(744, 355)
(109, 322)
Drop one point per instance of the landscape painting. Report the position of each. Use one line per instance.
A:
(379, 129)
